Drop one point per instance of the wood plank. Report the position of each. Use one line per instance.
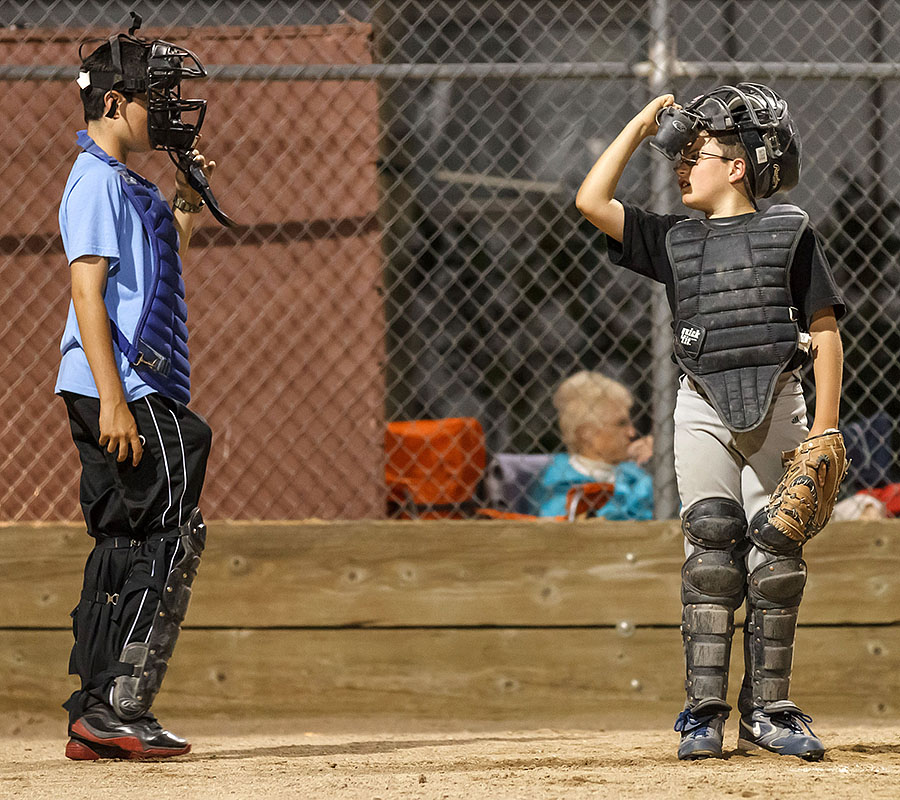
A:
(575, 677)
(447, 573)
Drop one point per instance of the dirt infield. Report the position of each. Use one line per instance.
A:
(469, 764)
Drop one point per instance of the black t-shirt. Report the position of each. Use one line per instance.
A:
(644, 251)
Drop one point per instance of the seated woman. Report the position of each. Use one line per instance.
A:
(595, 422)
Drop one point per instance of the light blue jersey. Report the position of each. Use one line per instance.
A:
(96, 219)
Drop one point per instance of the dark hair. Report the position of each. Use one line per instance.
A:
(134, 62)
(731, 145)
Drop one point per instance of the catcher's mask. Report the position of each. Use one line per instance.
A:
(172, 122)
(756, 115)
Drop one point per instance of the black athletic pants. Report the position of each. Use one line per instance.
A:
(133, 513)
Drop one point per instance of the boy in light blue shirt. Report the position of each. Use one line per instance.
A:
(125, 378)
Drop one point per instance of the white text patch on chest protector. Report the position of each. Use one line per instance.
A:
(691, 337)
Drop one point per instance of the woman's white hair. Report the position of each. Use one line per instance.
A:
(587, 399)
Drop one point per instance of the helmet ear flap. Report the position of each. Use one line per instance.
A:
(774, 160)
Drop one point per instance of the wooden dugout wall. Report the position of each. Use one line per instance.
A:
(544, 624)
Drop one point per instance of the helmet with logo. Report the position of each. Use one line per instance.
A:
(757, 116)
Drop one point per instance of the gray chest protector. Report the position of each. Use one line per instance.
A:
(735, 327)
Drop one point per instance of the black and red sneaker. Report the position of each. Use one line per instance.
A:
(80, 750)
(99, 733)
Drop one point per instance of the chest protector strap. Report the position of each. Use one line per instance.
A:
(158, 349)
(735, 327)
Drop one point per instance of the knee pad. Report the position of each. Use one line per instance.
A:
(778, 583)
(716, 523)
(767, 537)
(713, 576)
(134, 692)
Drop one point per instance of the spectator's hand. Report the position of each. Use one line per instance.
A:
(118, 431)
(641, 450)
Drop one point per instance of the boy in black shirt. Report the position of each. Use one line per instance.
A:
(752, 296)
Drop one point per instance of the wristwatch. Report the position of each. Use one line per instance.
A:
(183, 205)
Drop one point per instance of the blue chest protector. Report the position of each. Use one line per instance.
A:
(158, 350)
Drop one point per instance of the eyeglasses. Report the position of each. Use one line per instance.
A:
(691, 161)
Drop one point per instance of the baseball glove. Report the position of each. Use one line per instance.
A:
(802, 503)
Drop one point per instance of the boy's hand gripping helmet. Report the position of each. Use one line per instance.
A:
(757, 116)
(169, 130)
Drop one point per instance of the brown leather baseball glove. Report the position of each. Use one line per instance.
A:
(802, 502)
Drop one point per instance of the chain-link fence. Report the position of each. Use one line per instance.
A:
(403, 174)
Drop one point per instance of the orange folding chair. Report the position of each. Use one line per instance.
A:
(433, 467)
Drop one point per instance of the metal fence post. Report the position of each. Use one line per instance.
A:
(665, 374)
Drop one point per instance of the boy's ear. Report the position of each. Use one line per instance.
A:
(738, 170)
(111, 103)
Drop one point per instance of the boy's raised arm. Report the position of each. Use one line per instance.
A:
(595, 199)
(184, 219)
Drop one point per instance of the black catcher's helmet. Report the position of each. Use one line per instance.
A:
(760, 119)
(167, 65)
(756, 115)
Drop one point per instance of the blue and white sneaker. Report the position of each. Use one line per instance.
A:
(701, 729)
(779, 728)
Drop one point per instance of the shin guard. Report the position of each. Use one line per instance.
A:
(713, 583)
(712, 588)
(133, 693)
(776, 588)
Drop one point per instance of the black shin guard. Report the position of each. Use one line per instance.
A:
(713, 583)
(94, 656)
(776, 588)
(712, 587)
(169, 594)
(770, 637)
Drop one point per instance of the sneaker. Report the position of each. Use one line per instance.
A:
(80, 750)
(158, 738)
(99, 733)
(779, 728)
(701, 729)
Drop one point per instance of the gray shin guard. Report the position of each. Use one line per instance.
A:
(713, 584)
(134, 694)
(707, 631)
(776, 588)
(712, 587)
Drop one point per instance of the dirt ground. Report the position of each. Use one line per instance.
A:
(464, 763)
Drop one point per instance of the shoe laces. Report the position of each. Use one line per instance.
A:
(689, 725)
(793, 720)
(151, 722)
